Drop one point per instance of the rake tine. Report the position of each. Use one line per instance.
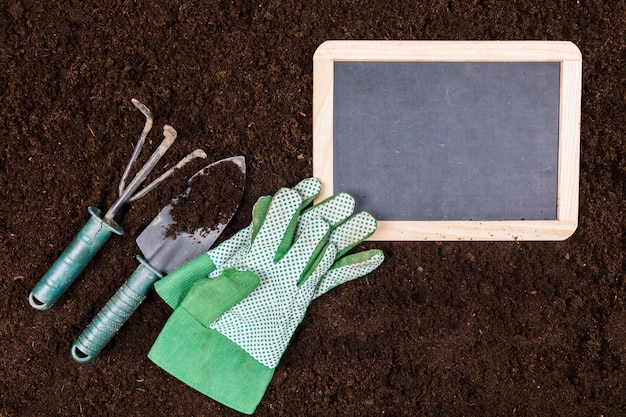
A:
(198, 153)
(170, 136)
(144, 133)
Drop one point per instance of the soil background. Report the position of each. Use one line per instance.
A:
(442, 328)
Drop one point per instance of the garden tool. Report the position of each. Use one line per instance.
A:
(99, 228)
(161, 254)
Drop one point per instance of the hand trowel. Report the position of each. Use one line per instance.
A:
(162, 252)
(99, 227)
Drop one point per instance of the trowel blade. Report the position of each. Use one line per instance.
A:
(165, 253)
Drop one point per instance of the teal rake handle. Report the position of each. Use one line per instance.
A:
(73, 260)
(115, 313)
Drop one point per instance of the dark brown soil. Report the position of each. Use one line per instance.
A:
(212, 200)
(459, 328)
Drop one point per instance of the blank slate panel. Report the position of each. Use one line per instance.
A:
(451, 140)
(448, 140)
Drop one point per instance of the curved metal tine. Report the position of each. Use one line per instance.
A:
(170, 136)
(198, 153)
(144, 133)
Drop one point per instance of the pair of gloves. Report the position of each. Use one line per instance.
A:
(237, 306)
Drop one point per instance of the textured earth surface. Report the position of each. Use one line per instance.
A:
(442, 328)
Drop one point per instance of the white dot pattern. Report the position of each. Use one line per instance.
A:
(356, 229)
(308, 188)
(227, 249)
(263, 323)
(361, 266)
(334, 210)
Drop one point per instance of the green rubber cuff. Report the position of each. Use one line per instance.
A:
(210, 363)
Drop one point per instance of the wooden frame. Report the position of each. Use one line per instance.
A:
(460, 51)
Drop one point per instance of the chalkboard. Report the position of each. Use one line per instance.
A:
(451, 140)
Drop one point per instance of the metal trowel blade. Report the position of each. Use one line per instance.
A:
(165, 253)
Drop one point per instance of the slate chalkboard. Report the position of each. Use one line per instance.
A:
(451, 140)
(447, 140)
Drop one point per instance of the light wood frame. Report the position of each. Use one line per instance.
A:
(460, 51)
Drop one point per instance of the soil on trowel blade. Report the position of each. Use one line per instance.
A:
(212, 200)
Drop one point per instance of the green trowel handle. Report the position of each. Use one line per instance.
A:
(115, 313)
(73, 260)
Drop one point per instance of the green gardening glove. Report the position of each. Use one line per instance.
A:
(232, 357)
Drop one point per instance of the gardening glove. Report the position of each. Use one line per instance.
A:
(232, 358)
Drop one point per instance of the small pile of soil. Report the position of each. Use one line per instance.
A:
(212, 200)
(144, 209)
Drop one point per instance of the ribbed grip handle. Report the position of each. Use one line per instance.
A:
(73, 260)
(115, 313)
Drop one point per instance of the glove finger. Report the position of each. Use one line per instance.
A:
(241, 240)
(349, 268)
(259, 212)
(352, 232)
(309, 189)
(274, 230)
(305, 252)
(311, 277)
(335, 210)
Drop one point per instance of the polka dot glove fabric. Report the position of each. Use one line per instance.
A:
(263, 323)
